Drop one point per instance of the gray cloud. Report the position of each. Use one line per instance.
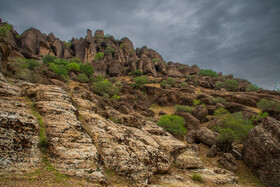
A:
(238, 37)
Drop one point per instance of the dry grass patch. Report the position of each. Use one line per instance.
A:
(167, 109)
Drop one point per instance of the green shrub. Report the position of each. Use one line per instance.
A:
(169, 82)
(66, 44)
(105, 87)
(82, 78)
(122, 45)
(118, 84)
(184, 84)
(86, 69)
(63, 62)
(75, 60)
(208, 72)
(231, 85)
(218, 100)
(197, 177)
(98, 78)
(115, 97)
(233, 127)
(139, 82)
(109, 50)
(137, 72)
(196, 102)
(183, 108)
(47, 59)
(27, 75)
(220, 111)
(261, 115)
(60, 70)
(4, 30)
(99, 56)
(268, 104)
(173, 124)
(252, 88)
(32, 64)
(154, 60)
(73, 67)
(219, 85)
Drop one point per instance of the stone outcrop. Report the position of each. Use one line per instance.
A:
(189, 160)
(19, 132)
(70, 147)
(129, 145)
(228, 161)
(261, 151)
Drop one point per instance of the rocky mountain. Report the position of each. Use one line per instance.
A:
(62, 124)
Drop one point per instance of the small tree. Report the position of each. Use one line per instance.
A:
(252, 88)
(154, 60)
(173, 124)
(104, 88)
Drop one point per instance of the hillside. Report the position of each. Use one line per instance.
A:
(95, 111)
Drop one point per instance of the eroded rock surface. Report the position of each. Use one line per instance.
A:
(19, 132)
(261, 152)
(70, 147)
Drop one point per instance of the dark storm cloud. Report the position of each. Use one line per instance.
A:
(238, 37)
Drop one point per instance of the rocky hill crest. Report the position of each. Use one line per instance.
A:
(104, 129)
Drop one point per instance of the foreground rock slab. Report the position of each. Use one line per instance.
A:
(70, 148)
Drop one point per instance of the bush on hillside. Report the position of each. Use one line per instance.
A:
(233, 127)
(252, 88)
(60, 70)
(73, 67)
(75, 60)
(105, 87)
(219, 85)
(167, 83)
(154, 60)
(139, 82)
(208, 72)
(47, 59)
(86, 69)
(268, 104)
(173, 124)
(197, 177)
(137, 72)
(109, 50)
(99, 56)
(4, 30)
(82, 78)
(218, 100)
(183, 108)
(231, 85)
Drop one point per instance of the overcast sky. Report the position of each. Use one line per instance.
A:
(239, 37)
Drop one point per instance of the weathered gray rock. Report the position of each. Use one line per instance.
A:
(212, 152)
(228, 161)
(261, 151)
(207, 136)
(189, 160)
(200, 112)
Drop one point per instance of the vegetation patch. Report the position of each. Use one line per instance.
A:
(183, 108)
(4, 30)
(105, 88)
(173, 124)
(268, 104)
(99, 56)
(197, 177)
(83, 78)
(232, 126)
(139, 82)
(217, 100)
(253, 88)
(208, 72)
(229, 85)
(167, 83)
(137, 73)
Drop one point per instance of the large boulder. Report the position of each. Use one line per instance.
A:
(34, 42)
(207, 136)
(261, 151)
(200, 112)
(189, 160)
(191, 122)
